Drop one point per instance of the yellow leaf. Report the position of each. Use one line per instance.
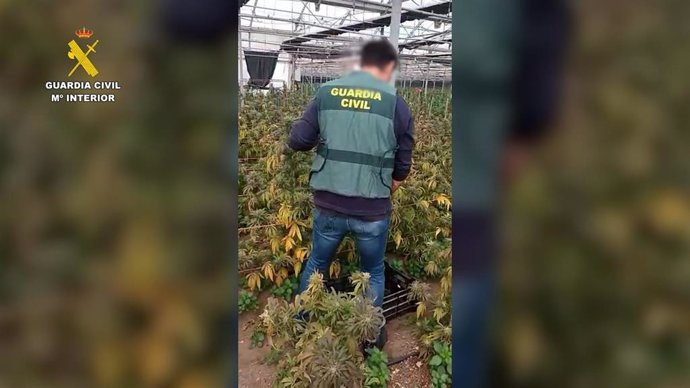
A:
(334, 270)
(439, 313)
(421, 309)
(443, 200)
(294, 231)
(272, 162)
(289, 243)
(446, 283)
(300, 254)
(297, 266)
(275, 244)
(431, 268)
(268, 270)
(438, 230)
(398, 239)
(253, 280)
(285, 215)
(269, 163)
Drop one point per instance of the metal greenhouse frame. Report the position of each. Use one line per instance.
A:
(313, 40)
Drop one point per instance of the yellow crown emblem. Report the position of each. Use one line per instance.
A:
(84, 33)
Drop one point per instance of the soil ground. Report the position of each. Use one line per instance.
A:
(402, 341)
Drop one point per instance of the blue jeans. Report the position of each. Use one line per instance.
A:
(328, 230)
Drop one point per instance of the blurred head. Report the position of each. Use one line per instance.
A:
(379, 58)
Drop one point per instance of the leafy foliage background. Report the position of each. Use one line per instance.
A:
(114, 218)
(275, 201)
(596, 269)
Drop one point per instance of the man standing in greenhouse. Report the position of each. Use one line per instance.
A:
(363, 134)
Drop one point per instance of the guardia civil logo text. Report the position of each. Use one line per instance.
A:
(82, 64)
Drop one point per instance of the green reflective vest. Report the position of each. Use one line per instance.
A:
(356, 152)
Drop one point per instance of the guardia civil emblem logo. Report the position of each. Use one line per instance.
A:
(81, 52)
(75, 52)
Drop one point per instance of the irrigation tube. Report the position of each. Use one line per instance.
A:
(402, 358)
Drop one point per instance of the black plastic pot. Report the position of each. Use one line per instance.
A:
(395, 297)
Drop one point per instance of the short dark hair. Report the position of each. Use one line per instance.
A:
(378, 53)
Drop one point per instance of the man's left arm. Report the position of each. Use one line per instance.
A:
(404, 133)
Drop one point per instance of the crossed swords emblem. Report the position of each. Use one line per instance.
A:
(82, 58)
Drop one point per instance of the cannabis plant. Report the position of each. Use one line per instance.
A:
(320, 333)
(434, 327)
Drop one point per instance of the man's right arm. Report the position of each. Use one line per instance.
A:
(305, 131)
(404, 133)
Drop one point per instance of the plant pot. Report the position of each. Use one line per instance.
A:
(395, 297)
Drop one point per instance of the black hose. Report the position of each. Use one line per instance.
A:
(402, 358)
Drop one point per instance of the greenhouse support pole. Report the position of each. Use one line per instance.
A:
(426, 79)
(395, 22)
(241, 67)
(396, 10)
(291, 72)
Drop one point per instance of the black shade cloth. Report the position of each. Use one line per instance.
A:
(260, 66)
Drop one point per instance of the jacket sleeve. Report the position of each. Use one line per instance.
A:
(305, 131)
(404, 133)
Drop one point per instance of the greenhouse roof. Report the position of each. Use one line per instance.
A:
(377, 22)
(315, 34)
(333, 25)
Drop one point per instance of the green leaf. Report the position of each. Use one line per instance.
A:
(438, 347)
(435, 360)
